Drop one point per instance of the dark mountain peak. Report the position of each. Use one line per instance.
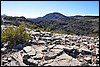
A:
(51, 16)
(55, 15)
(78, 16)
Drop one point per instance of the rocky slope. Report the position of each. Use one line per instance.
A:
(48, 49)
(79, 25)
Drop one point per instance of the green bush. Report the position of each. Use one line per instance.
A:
(39, 29)
(3, 37)
(14, 22)
(15, 35)
(48, 30)
(33, 26)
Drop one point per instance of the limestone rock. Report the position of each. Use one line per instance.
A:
(29, 50)
(87, 58)
(51, 46)
(41, 42)
(32, 62)
(59, 47)
(38, 56)
(64, 60)
(3, 49)
(9, 59)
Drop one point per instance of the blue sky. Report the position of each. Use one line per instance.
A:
(34, 9)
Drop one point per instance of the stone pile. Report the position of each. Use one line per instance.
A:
(47, 49)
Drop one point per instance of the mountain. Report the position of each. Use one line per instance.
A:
(79, 25)
(50, 16)
(54, 16)
(4, 15)
(14, 20)
(57, 22)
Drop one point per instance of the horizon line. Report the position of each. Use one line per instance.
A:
(53, 12)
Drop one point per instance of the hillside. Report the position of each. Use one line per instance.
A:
(46, 48)
(80, 25)
(28, 43)
(50, 16)
(57, 22)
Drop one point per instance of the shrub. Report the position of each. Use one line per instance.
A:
(15, 35)
(48, 30)
(37, 29)
(14, 23)
(3, 36)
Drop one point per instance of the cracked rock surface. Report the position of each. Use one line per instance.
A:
(62, 50)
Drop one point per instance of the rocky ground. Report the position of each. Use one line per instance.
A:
(47, 49)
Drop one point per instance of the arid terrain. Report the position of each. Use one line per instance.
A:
(56, 40)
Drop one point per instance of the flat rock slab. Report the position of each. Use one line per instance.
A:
(56, 51)
(51, 46)
(9, 59)
(13, 63)
(65, 60)
(38, 56)
(86, 51)
(59, 47)
(64, 56)
(50, 55)
(33, 61)
(39, 48)
(29, 50)
(17, 57)
(3, 49)
(32, 53)
(87, 58)
(53, 54)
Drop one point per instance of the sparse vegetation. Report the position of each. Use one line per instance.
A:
(15, 35)
(81, 25)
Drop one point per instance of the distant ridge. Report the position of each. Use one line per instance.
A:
(79, 25)
(4, 15)
(56, 16)
(50, 16)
